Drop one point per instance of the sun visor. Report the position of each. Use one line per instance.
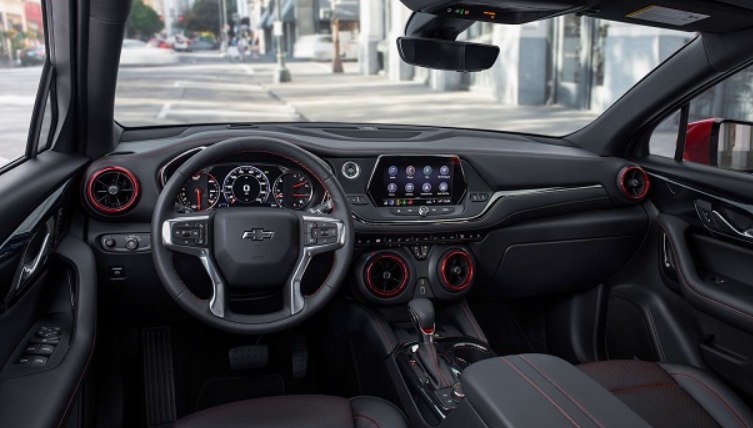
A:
(684, 15)
(500, 11)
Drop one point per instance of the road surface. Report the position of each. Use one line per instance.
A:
(18, 89)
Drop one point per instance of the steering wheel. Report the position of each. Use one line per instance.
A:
(252, 248)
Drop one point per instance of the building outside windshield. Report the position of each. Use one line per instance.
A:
(220, 61)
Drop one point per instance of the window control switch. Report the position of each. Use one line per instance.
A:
(45, 349)
(38, 361)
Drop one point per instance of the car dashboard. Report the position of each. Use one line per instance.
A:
(421, 199)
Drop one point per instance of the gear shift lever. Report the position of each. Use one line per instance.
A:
(440, 375)
(421, 312)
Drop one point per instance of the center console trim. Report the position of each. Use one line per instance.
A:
(496, 196)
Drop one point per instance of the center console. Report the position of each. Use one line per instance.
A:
(533, 391)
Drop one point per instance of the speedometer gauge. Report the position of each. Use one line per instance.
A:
(246, 185)
(293, 190)
(200, 192)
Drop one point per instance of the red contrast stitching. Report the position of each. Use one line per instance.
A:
(718, 396)
(381, 328)
(640, 388)
(687, 284)
(464, 304)
(582, 409)
(443, 380)
(83, 373)
(369, 419)
(541, 392)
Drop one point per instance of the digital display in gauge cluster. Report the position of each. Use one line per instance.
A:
(226, 185)
(417, 180)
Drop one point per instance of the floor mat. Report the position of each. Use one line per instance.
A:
(227, 390)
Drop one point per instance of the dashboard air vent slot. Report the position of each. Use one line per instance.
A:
(373, 133)
(112, 190)
(633, 182)
(386, 275)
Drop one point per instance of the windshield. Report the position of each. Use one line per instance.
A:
(217, 61)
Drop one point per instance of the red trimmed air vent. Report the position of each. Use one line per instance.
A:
(456, 270)
(386, 275)
(112, 190)
(633, 182)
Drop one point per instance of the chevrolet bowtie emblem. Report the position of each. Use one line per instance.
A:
(258, 234)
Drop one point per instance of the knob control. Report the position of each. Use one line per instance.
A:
(109, 242)
(132, 244)
(457, 392)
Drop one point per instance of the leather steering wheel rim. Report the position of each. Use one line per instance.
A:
(162, 253)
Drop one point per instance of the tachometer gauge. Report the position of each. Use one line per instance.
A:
(293, 190)
(246, 185)
(200, 192)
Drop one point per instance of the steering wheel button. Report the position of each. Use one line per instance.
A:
(310, 240)
(186, 242)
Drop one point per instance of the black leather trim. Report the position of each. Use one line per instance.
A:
(294, 411)
(540, 391)
(724, 304)
(372, 412)
(300, 411)
(718, 400)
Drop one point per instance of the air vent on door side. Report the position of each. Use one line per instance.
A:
(386, 275)
(112, 190)
(633, 182)
(456, 270)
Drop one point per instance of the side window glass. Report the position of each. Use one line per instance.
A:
(22, 58)
(719, 126)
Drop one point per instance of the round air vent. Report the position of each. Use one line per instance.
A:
(112, 190)
(456, 270)
(633, 182)
(386, 275)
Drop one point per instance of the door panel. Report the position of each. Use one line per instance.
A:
(715, 294)
(47, 291)
(694, 280)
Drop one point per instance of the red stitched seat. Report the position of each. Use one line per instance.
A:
(671, 395)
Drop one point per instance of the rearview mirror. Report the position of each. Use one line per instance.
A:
(447, 54)
(718, 142)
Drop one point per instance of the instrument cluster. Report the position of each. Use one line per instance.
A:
(257, 184)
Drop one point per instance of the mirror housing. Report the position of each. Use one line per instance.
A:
(447, 54)
(720, 142)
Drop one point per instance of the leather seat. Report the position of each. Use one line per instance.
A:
(671, 395)
(299, 411)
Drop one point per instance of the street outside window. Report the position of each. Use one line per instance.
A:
(254, 61)
(22, 54)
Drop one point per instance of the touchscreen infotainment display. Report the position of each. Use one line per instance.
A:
(417, 180)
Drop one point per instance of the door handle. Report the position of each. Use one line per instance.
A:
(28, 270)
(728, 228)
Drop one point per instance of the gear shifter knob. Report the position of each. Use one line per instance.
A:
(421, 312)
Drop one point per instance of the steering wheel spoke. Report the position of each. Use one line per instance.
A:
(190, 234)
(320, 234)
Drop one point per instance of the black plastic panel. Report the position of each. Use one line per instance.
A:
(540, 268)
